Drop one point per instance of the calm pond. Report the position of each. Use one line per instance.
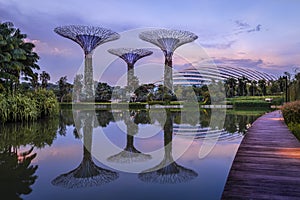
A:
(120, 154)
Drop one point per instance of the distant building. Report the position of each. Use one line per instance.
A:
(205, 74)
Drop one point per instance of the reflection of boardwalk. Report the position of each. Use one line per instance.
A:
(267, 164)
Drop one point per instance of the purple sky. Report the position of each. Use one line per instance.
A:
(264, 35)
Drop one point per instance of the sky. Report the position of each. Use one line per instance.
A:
(263, 35)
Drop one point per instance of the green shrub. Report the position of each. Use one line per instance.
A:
(251, 104)
(291, 115)
(291, 112)
(26, 107)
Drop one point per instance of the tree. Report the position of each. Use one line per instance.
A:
(230, 85)
(44, 77)
(64, 88)
(103, 92)
(17, 59)
(262, 86)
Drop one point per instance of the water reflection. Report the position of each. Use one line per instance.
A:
(130, 154)
(168, 171)
(17, 173)
(87, 174)
(235, 126)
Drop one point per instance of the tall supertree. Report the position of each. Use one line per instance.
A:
(88, 37)
(87, 174)
(168, 40)
(168, 171)
(130, 56)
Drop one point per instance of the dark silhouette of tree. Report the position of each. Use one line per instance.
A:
(17, 173)
(262, 85)
(168, 171)
(64, 88)
(88, 37)
(17, 57)
(130, 56)
(44, 77)
(253, 88)
(168, 41)
(35, 81)
(103, 92)
(87, 174)
(230, 85)
(130, 154)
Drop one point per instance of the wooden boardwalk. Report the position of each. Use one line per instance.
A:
(267, 164)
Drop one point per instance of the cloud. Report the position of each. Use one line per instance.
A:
(47, 49)
(244, 27)
(224, 45)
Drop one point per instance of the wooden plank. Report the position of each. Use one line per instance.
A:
(267, 164)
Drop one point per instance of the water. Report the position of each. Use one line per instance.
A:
(84, 154)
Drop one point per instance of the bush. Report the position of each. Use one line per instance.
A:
(251, 104)
(26, 107)
(291, 115)
(291, 112)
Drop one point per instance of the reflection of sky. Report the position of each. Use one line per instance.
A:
(66, 153)
(255, 34)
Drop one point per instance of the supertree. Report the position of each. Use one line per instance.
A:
(88, 37)
(168, 40)
(130, 154)
(168, 171)
(130, 56)
(87, 174)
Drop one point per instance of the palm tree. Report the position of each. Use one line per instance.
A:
(17, 57)
(44, 77)
(262, 84)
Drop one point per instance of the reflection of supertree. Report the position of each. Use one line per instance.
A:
(130, 154)
(17, 175)
(168, 41)
(130, 56)
(88, 37)
(87, 174)
(168, 171)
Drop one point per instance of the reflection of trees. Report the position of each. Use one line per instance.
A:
(38, 133)
(17, 173)
(130, 153)
(168, 171)
(87, 174)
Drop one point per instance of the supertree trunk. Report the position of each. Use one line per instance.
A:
(88, 77)
(168, 74)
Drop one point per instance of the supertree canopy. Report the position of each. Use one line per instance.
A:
(168, 40)
(130, 56)
(88, 37)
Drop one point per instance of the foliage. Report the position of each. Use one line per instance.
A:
(251, 104)
(26, 107)
(64, 89)
(103, 92)
(44, 77)
(291, 114)
(17, 59)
